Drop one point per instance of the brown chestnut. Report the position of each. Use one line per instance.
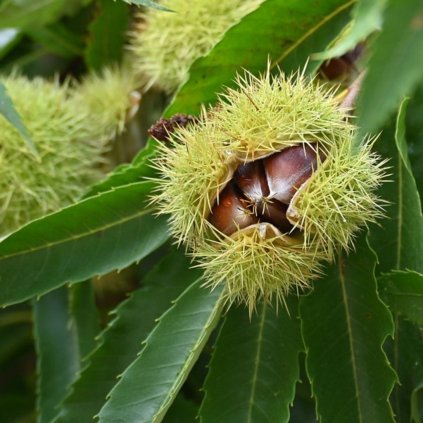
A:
(274, 212)
(230, 211)
(288, 170)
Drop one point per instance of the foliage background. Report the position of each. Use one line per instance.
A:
(70, 348)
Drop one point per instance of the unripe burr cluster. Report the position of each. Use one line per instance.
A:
(267, 185)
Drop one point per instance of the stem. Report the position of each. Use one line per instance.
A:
(348, 101)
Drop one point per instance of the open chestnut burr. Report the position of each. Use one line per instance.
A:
(261, 190)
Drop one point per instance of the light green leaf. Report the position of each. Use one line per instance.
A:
(149, 385)
(344, 326)
(93, 237)
(403, 292)
(255, 367)
(275, 30)
(57, 352)
(84, 317)
(367, 18)
(120, 342)
(395, 66)
(399, 242)
(7, 109)
(107, 35)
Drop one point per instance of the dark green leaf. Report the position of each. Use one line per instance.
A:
(57, 352)
(84, 318)
(273, 31)
(107, 35)
(403, 292)
(93, 237)
(7, 109)
(57, 39)
(344, 326)
(126, 174)
(395, 66)
(407, 357)
(120, 342)
(367, 18)
(30, 13)
(399, 242)
(149, 385)
(255, 367)
(8, 38)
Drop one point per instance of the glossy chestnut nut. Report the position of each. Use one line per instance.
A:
(262, 190)
(288, 170)
(230, 212)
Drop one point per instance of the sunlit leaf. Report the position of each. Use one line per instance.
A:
(148, 386)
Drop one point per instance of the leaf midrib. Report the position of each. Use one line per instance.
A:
(256, 364)
(350, 336)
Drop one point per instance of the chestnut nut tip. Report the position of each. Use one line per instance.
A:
(162, 129)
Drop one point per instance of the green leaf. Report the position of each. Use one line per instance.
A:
(7, 109)
(399, 242)
(367, 18)
(396, 65)
(21, 13)
(344, 326)
(126, 174)
(57, 39)
(93, 237)
(273, 31)
(9, 37)
(149, 385)
(255, 366)
(57, 352)
(120, 342)
(107, 34)
(407, 357)
(84, 317)
(403, 292)
(148, 3)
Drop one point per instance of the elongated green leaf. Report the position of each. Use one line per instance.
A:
(399, 242)
(107, 35)
(57, 39)
(399, 245)
(407, 357)
(95, 236)
(7, 109)
(415, 136)
(57, 352)
(273, 31)
(149, 385)
(367, 18)
(403, 292)
(22, 13)
(254, 368)
(84, 317)
(120, 342)
(344, 326)
(126, 174)
(395, 66)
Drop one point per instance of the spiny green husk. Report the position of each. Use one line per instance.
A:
(166, 44)
(71, 125)
(261, 117)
